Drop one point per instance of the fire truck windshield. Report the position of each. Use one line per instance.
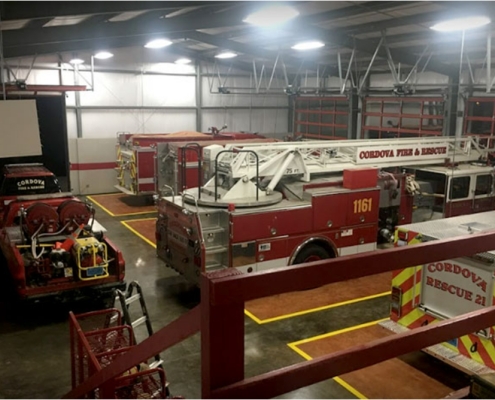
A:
(436, 182)
(433, 189)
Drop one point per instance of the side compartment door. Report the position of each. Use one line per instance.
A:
(145, 173)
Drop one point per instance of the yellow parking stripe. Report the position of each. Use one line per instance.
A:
(334, 333)
(138, 234)
(99, 205)
(312, 310)
(306, 356)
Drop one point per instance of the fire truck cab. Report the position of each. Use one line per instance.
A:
(452, 191)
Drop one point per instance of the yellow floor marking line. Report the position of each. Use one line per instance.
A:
(141, 219)
(350, 388)
(306, 356)
(99, 205)
(138, 234)
(312, 310)
(252, 316)
(334, 333)
(117, 215)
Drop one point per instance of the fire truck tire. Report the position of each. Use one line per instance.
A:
(312, 252)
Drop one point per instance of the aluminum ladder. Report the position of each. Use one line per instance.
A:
(125, 300)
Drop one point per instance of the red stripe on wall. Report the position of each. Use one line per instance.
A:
(93, 166)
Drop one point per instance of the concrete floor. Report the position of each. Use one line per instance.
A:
(34, 346)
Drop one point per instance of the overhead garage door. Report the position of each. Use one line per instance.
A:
(479, 119)
(321, 117)
(393, 117)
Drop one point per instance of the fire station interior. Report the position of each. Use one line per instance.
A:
(219, 199)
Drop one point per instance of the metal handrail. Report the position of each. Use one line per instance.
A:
(164, 186)
(185, 194)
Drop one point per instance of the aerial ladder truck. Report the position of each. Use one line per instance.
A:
(270, 205)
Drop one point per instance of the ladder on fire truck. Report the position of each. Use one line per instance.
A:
(241, 169)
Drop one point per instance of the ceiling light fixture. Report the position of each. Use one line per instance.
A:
(308, 45)
(272, 15)
(103, 55)
(76, 61)
(227, 54)
(183, 61)
(461, 24)
(158, 44)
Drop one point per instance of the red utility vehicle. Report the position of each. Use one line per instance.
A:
(52, 245)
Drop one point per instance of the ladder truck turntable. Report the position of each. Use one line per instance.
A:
(270, 205)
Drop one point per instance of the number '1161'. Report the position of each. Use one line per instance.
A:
(362, 205)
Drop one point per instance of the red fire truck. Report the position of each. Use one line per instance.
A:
(432, 292)
(275, 204)
(136, 156)
(180, 164)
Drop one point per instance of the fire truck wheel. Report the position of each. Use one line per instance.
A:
(312, 252)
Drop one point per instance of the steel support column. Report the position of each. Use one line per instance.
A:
(488, 62)
(451, 114)
(199, 97)
(352, 131)
(77, 98)
(291, 115)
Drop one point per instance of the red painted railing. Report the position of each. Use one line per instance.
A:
(224, 293)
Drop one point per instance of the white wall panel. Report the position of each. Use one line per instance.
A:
(113, 89)
(38, 76)
(332, 82)
(97, 181)
(88, 151)
(96, 150)
(74, 159)
(71, 124)
(68, 79)
(169, 90)
(261, 121)
(44, 60)
(106, 123)
(242, 100)
(169, 121)
(479, 76)
(429, 78)
(74, 182)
